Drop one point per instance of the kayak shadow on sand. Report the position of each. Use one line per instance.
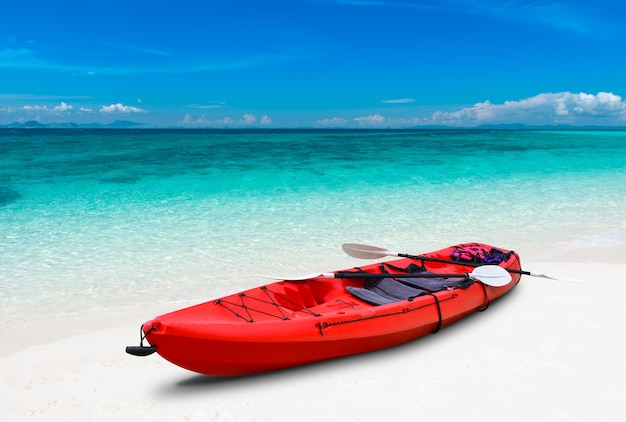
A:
(198, 383)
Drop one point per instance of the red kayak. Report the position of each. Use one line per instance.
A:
(300, 320)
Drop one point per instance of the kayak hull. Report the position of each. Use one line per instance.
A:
(291, 323)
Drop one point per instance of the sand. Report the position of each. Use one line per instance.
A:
(548, 351)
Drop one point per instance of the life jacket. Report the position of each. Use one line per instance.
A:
(477, 254)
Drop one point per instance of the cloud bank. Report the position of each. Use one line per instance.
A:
(61, 112)
(561, 108)
(121, 108)
(61, 108)
(246, 120)
(547, 108)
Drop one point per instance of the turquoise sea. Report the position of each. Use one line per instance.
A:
(103, 220)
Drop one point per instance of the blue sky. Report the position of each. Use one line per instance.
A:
(313, 63)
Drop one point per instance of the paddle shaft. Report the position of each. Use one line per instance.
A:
(390, 275)
(449, 261)
(491, 275)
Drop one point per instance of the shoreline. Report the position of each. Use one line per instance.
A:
(549, 350)
(53, 327)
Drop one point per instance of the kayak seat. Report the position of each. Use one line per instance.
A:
(383, 291)
(437, 284)
(431, 284)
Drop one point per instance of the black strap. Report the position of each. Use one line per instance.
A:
(484, 308)
(438, 326)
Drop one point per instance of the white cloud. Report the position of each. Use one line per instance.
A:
(249, 119)
(7, 110)
(211, 105)
(226, 121)
(333, 122)
(26, 58)
(35, 108)
(553, 14)
(143, 50)
(245, 120)
(575, 109)
(34, 97)
(371, 120)
(15, 54)
(63, 107)
(378, 121)
(547, 108)
(200, 121)
(120, 108)
(30, 57)
(399, 101)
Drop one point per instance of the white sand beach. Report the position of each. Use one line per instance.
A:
(548, 351)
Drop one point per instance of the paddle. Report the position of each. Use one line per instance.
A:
(374, 252)
(491, 275)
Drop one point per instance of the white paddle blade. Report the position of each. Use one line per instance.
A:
(491, 275)
(366, 251)
(299, 278)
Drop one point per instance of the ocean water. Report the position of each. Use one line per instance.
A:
(103, 220)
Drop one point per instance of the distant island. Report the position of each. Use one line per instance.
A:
(33, 124)
(126, 124)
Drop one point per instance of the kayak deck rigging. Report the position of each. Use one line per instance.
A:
(271, 300)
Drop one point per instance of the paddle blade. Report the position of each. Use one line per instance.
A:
(366, 251)
(491, 275)
(299, 278)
